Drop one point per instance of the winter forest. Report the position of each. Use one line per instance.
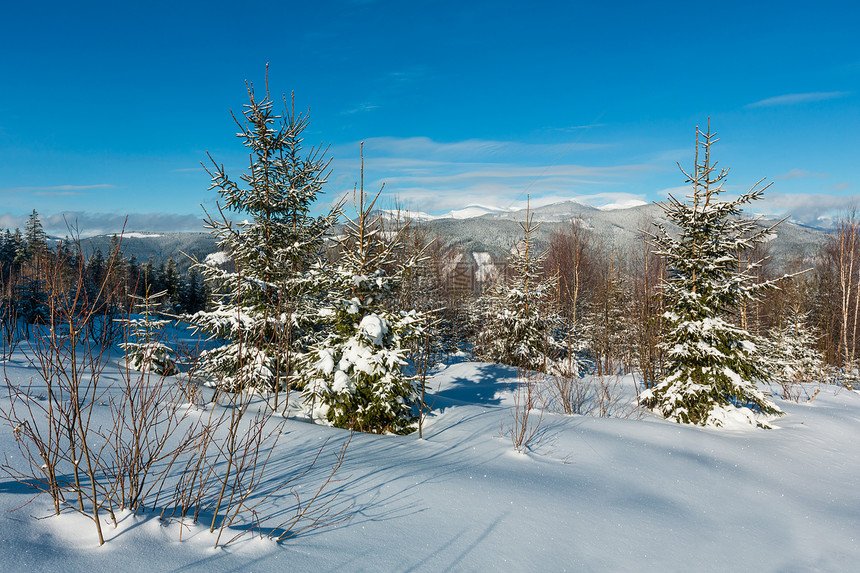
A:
(325, 387)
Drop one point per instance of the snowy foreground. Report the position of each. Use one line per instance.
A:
(597, 494)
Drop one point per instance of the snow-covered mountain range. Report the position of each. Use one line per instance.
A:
(489, 231)
(495, 232)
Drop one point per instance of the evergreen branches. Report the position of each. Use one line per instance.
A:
(258, 285)
(712, 365)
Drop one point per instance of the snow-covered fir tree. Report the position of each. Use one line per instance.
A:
(712, 365)
(605, 320)
(256, 282)
(144, 349)
(793, 356)
(354, 377)
(516, 322)
(31, 258)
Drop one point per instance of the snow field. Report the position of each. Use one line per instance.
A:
(595, 494)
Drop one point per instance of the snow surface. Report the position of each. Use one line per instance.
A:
(475, 211)
(597, 494)
(217, 258)
(626, 204)
(467, 212)
(486, 270)
(139, 236)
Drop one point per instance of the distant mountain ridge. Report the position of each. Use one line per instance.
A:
(496, 233)
(159, 246)
(478, 229)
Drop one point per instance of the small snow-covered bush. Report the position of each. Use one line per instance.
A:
(794, 360)
(355, 378)
(143, 349)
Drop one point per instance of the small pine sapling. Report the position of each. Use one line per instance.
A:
(144, 350)
(793, 355)
(354, 377)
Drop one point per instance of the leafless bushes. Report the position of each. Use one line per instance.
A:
(598, 396)
(524, 428)
(224, 476)
(9, 334)
(566, 392)
(563, 392)
(98, 443)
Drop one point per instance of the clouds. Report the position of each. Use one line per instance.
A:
(814, 209)
(794, 99)
(799, 174)
(471, 149)
(360, 108)
(87, 224)
(435, 177)
(58, 189)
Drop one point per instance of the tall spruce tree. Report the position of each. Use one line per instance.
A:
(713, 366)
(257, 294)
(35, 240)
(32, 259)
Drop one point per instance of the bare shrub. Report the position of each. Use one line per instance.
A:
(790, 389)
(524, 429)
(160, 442)
(566, 392)
(9, 331)
(53, 422)
(607, 396)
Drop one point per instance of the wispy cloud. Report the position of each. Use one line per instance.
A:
(799, 174)
(794, 99)
(59, 193)
(576, 173)
(436, 177)
(471, 149)
(578, 128)
(678, 192)
(360, 108)
(407, 75)
(57, 188)
(87, 224)
(806, 208)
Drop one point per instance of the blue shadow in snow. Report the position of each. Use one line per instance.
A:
(484, 385)
(24, 486)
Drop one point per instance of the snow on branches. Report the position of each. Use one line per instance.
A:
(517, 325)
(353, 377)
(713, 366)
(257, 277)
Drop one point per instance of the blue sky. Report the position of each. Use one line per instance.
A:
(107, 109)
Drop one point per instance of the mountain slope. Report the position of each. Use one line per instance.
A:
(497, 233)
(493, 231)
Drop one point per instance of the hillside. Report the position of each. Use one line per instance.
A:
(494, 233)
(630, 493)
(159, 246)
